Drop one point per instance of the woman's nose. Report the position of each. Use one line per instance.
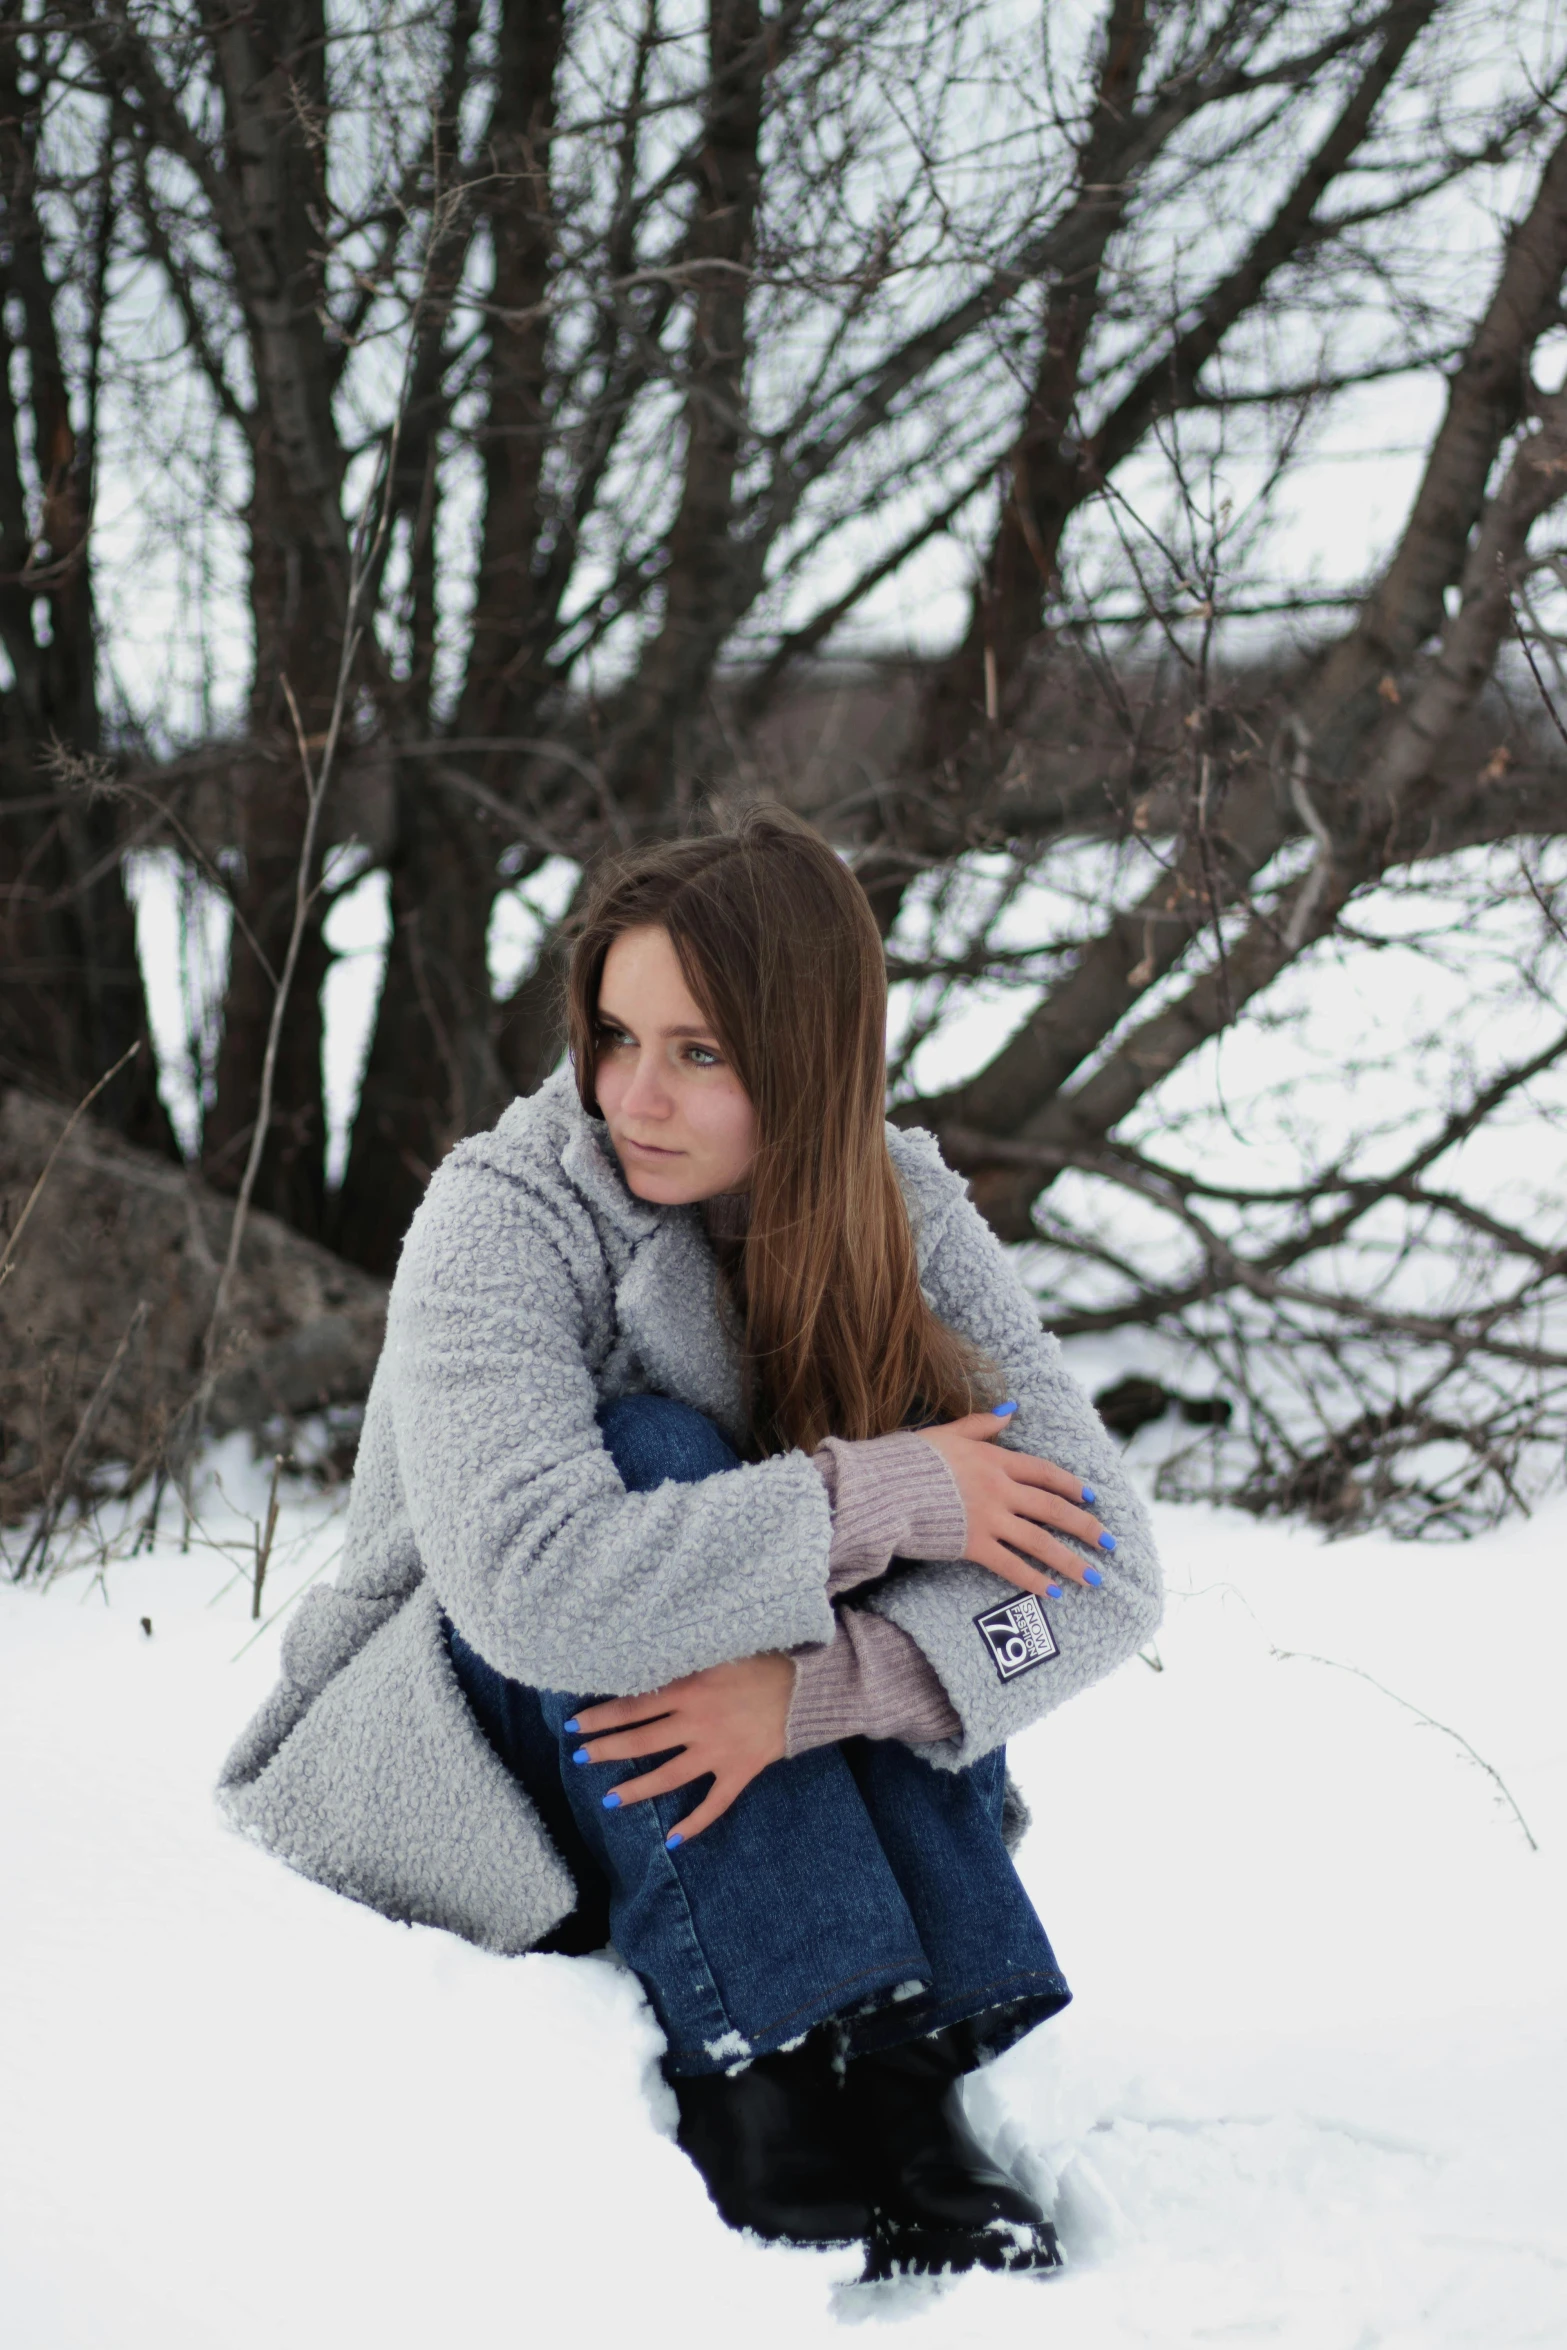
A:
(646, 1096)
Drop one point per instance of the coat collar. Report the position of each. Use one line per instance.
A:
(592, 1167)
(588, 1161)
(667, 1299)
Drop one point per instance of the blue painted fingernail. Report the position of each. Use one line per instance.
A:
(1004, 1411)
(573, 1725)
(582, 1755)
(1052, 1591)
(1107, 1542)
(1090, 1575)
(672, 1839)
(1089, 1499)
(612, 1800)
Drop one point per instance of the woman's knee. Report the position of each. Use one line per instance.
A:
(654, 1439)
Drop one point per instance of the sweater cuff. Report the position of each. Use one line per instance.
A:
(870, 1681)
(891, 1497)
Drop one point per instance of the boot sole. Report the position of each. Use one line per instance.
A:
(1006, 2247)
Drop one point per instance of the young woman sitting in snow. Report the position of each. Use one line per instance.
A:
(689, 1595)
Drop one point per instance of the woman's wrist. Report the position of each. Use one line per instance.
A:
(869, 1681)
(891, 1497)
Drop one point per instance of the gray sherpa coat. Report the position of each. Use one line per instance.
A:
(533, 1287)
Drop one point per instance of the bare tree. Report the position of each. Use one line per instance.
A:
(693, 333)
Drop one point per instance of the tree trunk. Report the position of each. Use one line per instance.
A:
(71, 999)
(700, 600)
(271, 66)
(432, 1074)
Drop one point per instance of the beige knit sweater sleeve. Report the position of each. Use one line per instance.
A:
(892, 1497)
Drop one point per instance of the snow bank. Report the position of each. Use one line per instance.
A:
(1313, 2089)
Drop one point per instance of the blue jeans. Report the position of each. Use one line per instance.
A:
(854, 1883)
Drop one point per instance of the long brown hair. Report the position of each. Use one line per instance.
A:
(779, 947)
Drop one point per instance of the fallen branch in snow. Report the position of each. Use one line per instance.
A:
(1304, 1657)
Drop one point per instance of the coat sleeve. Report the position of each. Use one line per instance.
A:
(1000, 1670)
(541, 1558)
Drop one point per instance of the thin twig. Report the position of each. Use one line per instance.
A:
(267, 1622)
(1303, 1656)
(1306, 809)
(1527, 649)
(264, 1541)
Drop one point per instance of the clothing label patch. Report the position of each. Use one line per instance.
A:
(1017, 1636)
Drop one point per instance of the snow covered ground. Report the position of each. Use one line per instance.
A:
(1312, 2091)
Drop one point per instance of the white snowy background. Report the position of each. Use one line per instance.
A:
(1312, 2091)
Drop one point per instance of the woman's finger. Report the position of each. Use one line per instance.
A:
(712, 1806)
(1058, 1557)
(1061, 1563)
(980, 1424)
(618, 1713)
(632, 1745)
(679, 1771)
(998, 1560)
(1028, 1468)
(1049, 1509)
(1018, 1534)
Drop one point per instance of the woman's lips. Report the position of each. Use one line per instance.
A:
(653, 1150)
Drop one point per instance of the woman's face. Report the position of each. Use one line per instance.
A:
(680, 1120)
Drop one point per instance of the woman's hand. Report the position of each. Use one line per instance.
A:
(1009, 1498)
(729, 1723)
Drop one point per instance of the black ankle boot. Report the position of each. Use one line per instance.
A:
(941, 2200)
(768, 2142)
